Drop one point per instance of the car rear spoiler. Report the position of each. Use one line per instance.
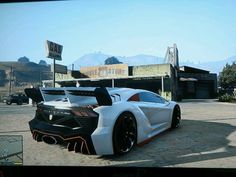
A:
(72, 94)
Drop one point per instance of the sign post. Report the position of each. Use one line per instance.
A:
(54, 78)
(53, 51)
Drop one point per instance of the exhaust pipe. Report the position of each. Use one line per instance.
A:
(49, 139)
(71, 146)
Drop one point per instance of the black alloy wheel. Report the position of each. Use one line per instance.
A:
(19, 102)
(124, 133)
(176, 117)
(8, 102)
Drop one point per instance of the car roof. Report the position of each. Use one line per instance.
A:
(125, 93)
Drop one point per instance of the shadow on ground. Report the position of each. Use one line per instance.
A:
(204, 141)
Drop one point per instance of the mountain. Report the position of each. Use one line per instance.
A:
(98, 58)
(213, 66)
(141, 60)
(92, 59)
(23, 72)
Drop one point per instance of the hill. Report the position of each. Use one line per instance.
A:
(214, 66)
(98, 58)
(23, 73)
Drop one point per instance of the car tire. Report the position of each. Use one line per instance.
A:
(8, 102)
(176, 117)
(19, 102)
(124, 134)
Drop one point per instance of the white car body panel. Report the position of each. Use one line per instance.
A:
(151, 118)
(102, 137)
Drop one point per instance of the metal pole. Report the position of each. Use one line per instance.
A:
(162, 84)
(113, 83)
(10, 87)
(54, 61)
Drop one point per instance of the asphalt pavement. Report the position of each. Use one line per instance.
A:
(205, 139)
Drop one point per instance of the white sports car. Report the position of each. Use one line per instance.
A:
(100, 121)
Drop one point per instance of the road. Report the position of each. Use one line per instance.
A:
(206, 139)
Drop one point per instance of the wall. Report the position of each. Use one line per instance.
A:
(105, 71)
(159, 69)
(142, 70)
(152, 83)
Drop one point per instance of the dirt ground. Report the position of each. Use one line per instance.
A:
(206, 139)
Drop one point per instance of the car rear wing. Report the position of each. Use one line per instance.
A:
(77, 95)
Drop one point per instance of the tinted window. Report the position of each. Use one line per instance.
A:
(134, 98)
(150, 97)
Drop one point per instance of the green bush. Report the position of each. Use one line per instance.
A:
(226, 98)
(234, 95)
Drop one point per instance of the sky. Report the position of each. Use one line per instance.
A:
(204, 30)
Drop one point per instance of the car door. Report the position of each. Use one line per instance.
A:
(155, 108)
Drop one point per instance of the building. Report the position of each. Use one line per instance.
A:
(168, 79)
(197, 83)
(173, 84)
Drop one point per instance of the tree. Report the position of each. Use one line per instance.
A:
(24, 59)
(42, 62)
(112, 60)
(227, 78)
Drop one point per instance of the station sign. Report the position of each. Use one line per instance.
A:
(105, 71)
(53, 50)
(62, 69)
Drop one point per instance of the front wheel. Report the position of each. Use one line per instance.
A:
(176, 117)
(8, 102)
(19, 102)
(124, 133)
